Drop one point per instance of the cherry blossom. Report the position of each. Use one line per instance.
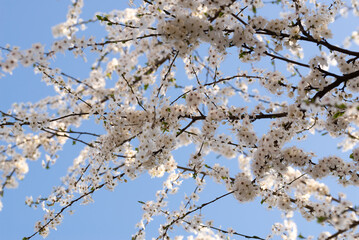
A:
(161, 83)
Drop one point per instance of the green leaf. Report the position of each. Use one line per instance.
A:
(263, 200)
(242, 54)
(210, 28)
(341, 106)
(220, 14)
(207, 166)
(194, 175)
(338, 114)
(146, 86)
(301, 236)
(109, 24)
(99, 17)
(254, 9)
(73, 142)
(351, 156)
(321, 219)
(141, 202)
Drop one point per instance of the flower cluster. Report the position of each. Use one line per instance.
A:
(244, 188)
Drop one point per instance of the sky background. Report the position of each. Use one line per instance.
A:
(114, 214)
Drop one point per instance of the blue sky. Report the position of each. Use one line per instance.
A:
(114, 214)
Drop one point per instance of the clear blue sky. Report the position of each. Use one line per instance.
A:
(114, 214)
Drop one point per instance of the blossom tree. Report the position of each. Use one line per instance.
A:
(291, 77)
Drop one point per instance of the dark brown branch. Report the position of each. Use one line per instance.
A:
(351, 226)
(124, 40)
(336, 83)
